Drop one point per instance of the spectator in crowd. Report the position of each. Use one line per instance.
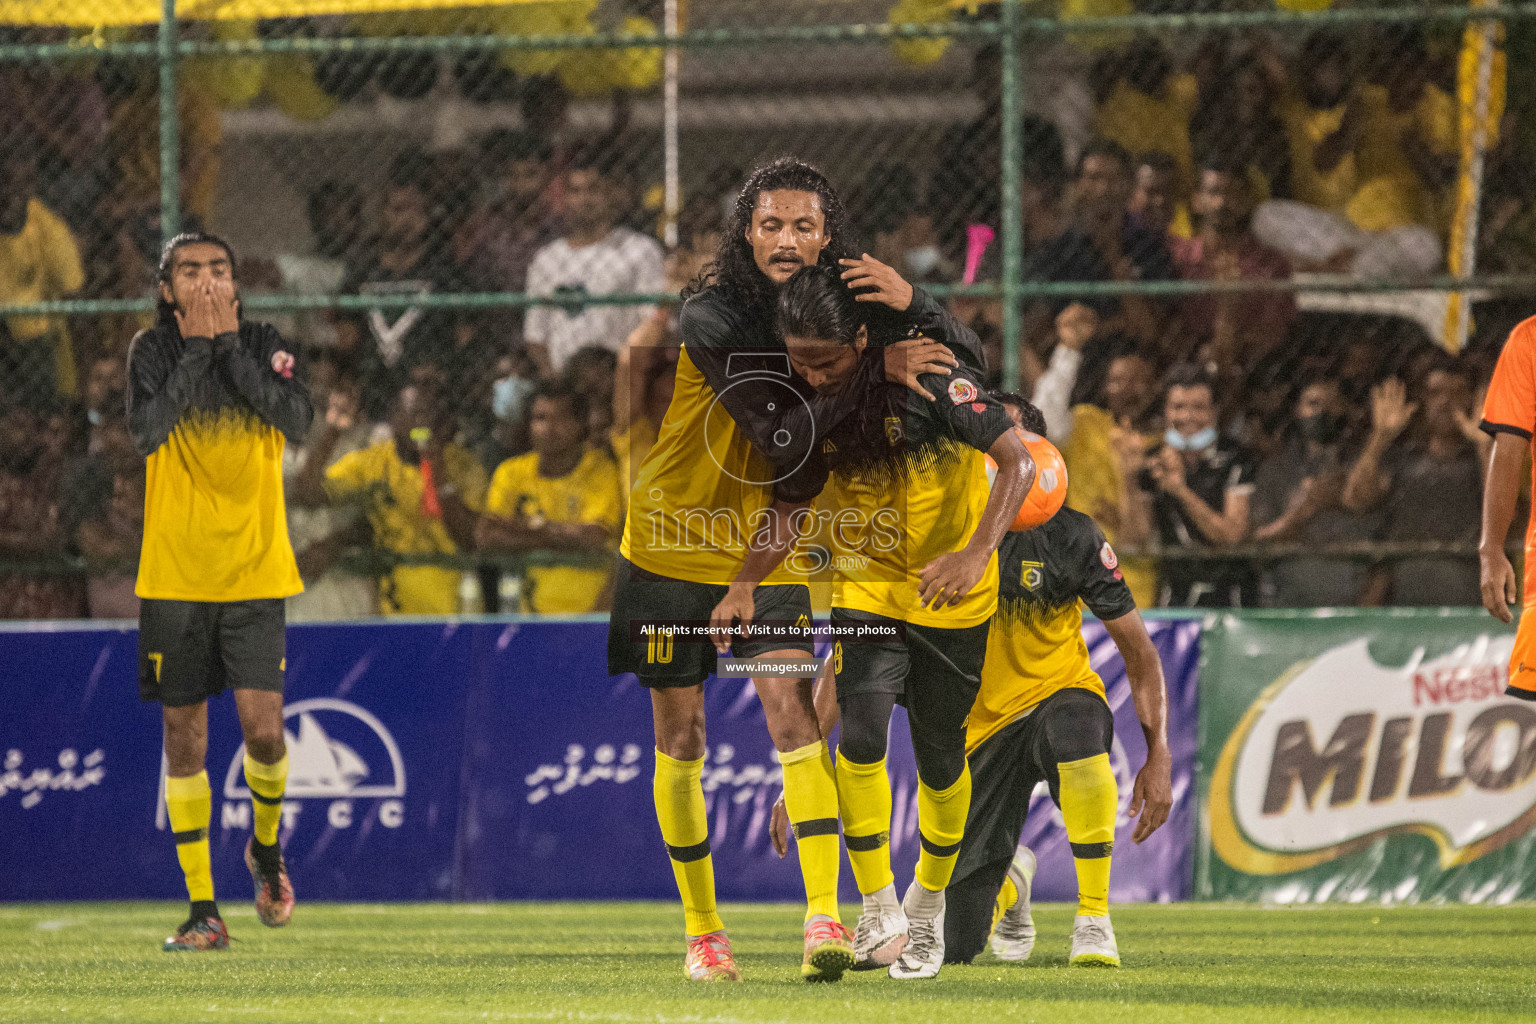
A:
(335, 213)
(63, 107)
(31, 519)
(594, 258)
(1233, 330)
(643, 384)
(420, 492)
(1339, 221)
(1428, 485)
(106, 396)
(1103, 244)
(1157, 203)
(407, 259)
(497, 244)
(39, 262)
(1297, 499)
(511, 389)
(1103, 439)
(1408, 147)
(133, 139)
(1199, 485)
(563, 496)
(1146, 106)
(591, 371)
(321, 534)
(110, 531)
(1237, 115)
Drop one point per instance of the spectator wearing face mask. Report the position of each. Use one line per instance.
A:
(1297, 499)
(106, 395)
(1199, 486)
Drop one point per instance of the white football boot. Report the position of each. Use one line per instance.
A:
(1093, 942)
(1013, 937)
(924, 954)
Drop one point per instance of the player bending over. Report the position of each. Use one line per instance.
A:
(734, 443)
(917, 462)
(210, 399)
(1041, 715)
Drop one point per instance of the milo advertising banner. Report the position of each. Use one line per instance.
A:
(1363, 755)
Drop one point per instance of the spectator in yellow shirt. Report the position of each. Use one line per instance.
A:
(39, 262)
(1148, 106)
(420, 491)
(1342, 218)
(563, 496)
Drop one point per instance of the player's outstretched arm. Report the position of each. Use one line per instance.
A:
(1500, 491)
(1152, 795)
(948, 578)
(783, 523)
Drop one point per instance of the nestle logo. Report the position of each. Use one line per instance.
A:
(1453, 685)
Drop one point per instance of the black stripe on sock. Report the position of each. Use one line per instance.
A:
(814, 827)
(688, 854)
(866, 844)
(1092, 851)
(934, 849)
(270, 801)
(191, 835)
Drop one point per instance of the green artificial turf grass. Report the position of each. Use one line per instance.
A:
(623, 962)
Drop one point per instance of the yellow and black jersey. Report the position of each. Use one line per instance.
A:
(737, 435)
(210, 416)
(908, 483)
(1035, 647)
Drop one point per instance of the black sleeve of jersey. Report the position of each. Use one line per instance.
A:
(933, 319)
(1101, 585)
(963, 410)
(777, 416)
(246, 358)
(160, 386)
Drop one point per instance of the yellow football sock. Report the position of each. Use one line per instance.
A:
(189, 804)
(267, 782)
(810, 797)
(940, 827)
(1088, 802)
(685, 830)
(1007, 896)
(864, 801)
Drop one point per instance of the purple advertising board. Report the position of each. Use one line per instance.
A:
(489, 759)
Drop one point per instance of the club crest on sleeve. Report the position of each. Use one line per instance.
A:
(1107, 556)
(961, 391)
(282, 363)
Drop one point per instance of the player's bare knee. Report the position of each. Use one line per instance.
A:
(264, 742)
(186, 744)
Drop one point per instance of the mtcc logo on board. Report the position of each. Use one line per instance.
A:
(338, 752)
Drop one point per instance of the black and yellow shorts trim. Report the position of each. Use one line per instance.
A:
(925, 667)
(190, 651)
(641, 597)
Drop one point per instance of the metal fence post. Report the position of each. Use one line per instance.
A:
(1012, 226)
(170, 125)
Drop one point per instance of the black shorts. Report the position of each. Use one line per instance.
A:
(192, 650)
(1069, 725)
(924, 667)
(640, 597)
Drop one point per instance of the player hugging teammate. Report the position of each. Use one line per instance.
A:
(871, 422)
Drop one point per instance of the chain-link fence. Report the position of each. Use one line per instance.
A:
(1160, 218)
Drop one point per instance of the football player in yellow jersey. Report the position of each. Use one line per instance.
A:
(1041, 716)
(211, 398)
(734, 444)
(915, 532)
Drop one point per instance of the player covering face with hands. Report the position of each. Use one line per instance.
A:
(211, 399)
(906, 486)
